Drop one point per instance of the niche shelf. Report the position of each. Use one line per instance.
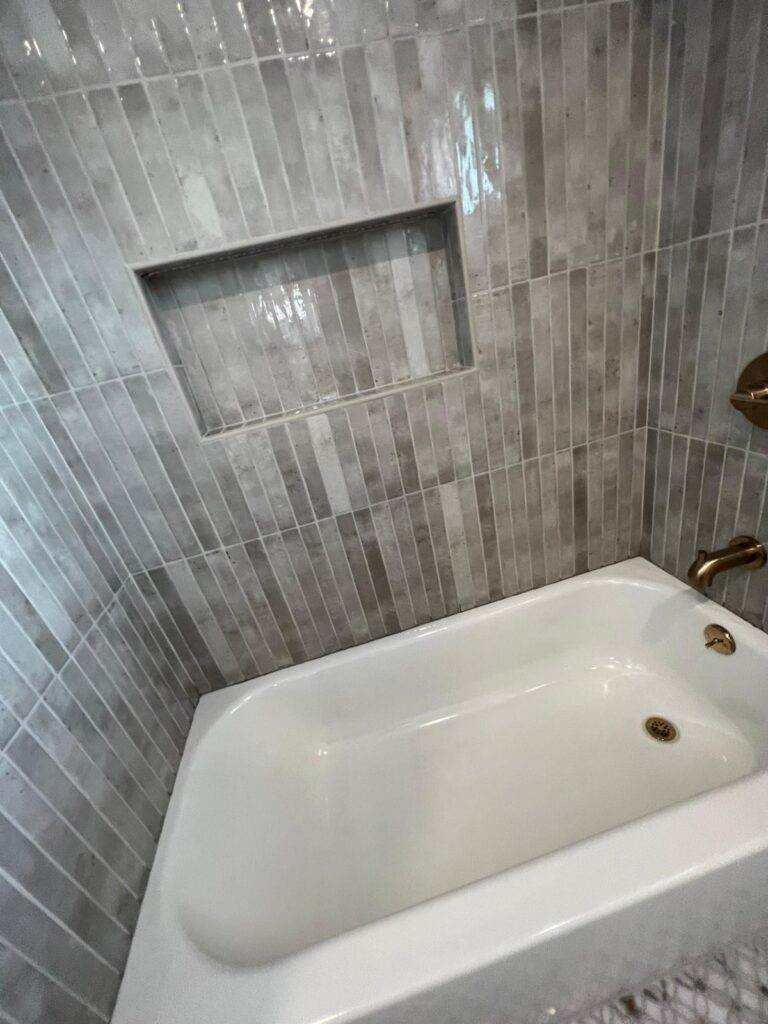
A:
(296, 324)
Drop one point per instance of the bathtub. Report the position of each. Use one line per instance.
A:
(467, 823)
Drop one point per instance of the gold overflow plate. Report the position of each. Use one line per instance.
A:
(718, 638)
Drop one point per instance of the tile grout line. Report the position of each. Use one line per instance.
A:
(386, 501)
(592, 445)
(331, 48)
(46, 973)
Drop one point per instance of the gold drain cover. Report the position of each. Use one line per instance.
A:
(661, 729)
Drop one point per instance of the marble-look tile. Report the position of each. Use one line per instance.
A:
(141, 565)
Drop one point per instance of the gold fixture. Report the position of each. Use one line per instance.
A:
(661, 729)
(751, 395)
(745, 552)
(717, 638)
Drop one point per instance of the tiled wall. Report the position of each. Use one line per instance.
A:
(135, 139)
(94, 708)
(711, 300)
(149, 565)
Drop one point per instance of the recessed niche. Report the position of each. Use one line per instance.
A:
(300, 324)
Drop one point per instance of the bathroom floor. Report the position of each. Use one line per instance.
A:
(727, 988)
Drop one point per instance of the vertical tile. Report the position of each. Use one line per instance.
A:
(680, 268)
(740, 268)
(535, 524)
(512, 149)
(741, 54)
(529, 69)
(575, 68)
(426, 554)
(521, 305)
(693, 77)
(596, 309)
(618, 102)
(595, 504)
(690, 341)
(289, 140)
(441, 548)
(487, 101)
(596, 120)
(677, 48)
(640, 141)
(712, 116)
(752, 178)
(393, 567)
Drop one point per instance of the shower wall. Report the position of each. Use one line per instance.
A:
(710, 466)
(142, 564)
(142, 131)
(95, 705)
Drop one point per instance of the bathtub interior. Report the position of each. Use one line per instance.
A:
(353, 788)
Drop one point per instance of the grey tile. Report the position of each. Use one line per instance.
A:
(549, 518)
(640, 139)
(263, 138)
(35, 935)
(740, 267)
(376, 568)
(753, 336)
(580, 508)
(553, 90)
(535, 524)
(385, 97)
(28, 994)
(750, 503)
(51, 887)
(712, 116)
(189, 589)
(144, 39)
(289, 140)
(618, 100)
(109, 117)
(596, 307)
(675, 494)
(575, 69)
(742, 50)
(529, 69)
(504, 533)
(47, 66)
(697, 31)
(457, 542)
(677, 48)
(361, 108)
(330, 585)
(752, 178)
(593, 527)
(554, 133)
(596, 129)
(311, 594)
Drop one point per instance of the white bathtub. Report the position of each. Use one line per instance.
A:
(465, 823)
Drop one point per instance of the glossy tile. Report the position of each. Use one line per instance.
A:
(141, 565)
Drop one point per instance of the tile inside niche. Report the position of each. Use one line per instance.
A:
(301, 324)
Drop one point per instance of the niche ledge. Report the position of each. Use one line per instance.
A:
(297, 324)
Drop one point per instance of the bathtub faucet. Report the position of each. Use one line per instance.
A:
(741, 551)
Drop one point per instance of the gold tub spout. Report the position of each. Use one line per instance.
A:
(745, 552)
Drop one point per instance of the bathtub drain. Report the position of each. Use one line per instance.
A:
(661, 729)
